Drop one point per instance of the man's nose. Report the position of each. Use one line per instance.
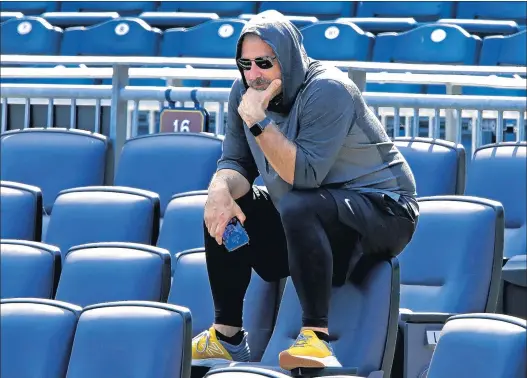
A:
(253, 73)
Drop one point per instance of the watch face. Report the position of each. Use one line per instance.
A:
(256, 129)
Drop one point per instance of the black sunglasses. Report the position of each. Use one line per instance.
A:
(264, 62)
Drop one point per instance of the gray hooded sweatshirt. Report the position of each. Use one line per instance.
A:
(339, 141)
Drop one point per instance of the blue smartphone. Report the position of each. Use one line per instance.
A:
(235, 236)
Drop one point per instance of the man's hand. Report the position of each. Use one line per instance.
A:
(254, 103)
(220, 208)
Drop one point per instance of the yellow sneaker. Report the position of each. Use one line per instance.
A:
(308, 351)
(208, 350)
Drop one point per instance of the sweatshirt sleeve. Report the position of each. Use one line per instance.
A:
(326, 118)
(236, 153)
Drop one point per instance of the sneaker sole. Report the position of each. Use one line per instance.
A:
(209, 362)
(289, 362)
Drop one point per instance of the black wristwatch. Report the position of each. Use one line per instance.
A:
(259, 127)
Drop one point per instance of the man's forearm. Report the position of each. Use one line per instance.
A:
(279, 151)
(231, 180)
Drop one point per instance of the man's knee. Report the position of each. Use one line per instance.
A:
(296, 207)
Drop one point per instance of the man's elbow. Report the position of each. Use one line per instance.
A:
(305, 179)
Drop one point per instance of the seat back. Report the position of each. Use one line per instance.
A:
(362, 321)
(124, 8)
(423, 11)
(53, 159)
(221, 8)
(481, 345)
(499, 10)
(36, 337)
(499, 172)
(21, 211)
(30, 7)
(429, 43)
(504, 50)
(191, 289)
(453, 262)
(29, 36)
(221, 36)
(320, 9)
(103, 214)
(182, 227)
(438, 165)
(28, 269)
(108, 272)
(116, 37)
(132, 339)
(331, 40)
(191, 160)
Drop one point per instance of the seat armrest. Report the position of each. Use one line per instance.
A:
(515, 270)
(425, 317)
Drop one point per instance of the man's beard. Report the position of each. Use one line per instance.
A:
(260, 84)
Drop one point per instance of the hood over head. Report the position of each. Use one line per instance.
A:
(286, 41)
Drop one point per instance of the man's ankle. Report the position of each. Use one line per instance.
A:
(227, 330)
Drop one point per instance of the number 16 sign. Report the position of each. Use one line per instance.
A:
(182, 121)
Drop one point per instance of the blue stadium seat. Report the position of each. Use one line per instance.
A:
(499, 172)
(451, 266)
(36, 337)
(423, 11)
(298, 21)
(117, 37)
(438, 165)
(495, 10)
(71, 19)
(362, 322)
(4, 16)
(191, 288)
(190, 158)
(166, 20)
(30, 7)
(28, 269)
(29, 36)
(53, 160)
(515, 287)
(329, 40)
(381, 25)
(504, 50)
(103, 214)
(221, 8)
(124, 8)
(320, 9)
(21, 211)
(107, 272)
(481, 345)
(132, 339)
(182, 226)
(483, 27)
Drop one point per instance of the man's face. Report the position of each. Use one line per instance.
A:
(257, 77)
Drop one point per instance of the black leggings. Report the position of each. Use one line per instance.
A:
(303, 238)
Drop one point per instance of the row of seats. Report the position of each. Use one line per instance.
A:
(422, 11)
(451, 266)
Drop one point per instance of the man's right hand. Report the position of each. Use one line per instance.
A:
(220, 208)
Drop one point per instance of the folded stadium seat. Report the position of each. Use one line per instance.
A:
(320, 9)
(298, 21)
(330, 40)
(483, 27)
(132, 339)
(182, 226)
(53, 159)
(424, 11)
(362, 324)
(165, 20)
(451, 266)
(29, 36)
(21, 211)
(71, 19)
(221, 8)
(499, 172)
(438, 165)
(481, 345)
(124, 8)
(103, 214)
(190, 158)
(4, 16)
(381, 25)
(123, 272)
(501, 50)
(30, 7)
(499, 10)
(36, 337)
(429, 43)
(222, 36)
(191, 289)
(28, 269)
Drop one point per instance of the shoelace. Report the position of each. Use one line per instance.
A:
(205, 334)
